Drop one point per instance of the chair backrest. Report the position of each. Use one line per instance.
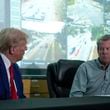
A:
(60, 77)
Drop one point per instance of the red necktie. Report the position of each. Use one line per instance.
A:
(12, 86)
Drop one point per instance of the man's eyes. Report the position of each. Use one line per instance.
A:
(105, 49)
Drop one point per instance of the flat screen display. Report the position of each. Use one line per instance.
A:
(60, 29)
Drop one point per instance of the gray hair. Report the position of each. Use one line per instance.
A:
(103, 38)
(11, 37)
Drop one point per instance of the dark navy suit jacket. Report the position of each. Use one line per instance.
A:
(4, 84)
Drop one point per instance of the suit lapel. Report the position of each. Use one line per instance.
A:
(3, 75)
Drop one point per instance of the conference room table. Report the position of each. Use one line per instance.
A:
(75, 103)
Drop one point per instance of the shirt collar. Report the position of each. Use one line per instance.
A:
(101, 65)
(5, 60)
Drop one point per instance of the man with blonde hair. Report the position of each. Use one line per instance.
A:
(12, 48)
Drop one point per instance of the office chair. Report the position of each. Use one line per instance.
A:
(60, 77)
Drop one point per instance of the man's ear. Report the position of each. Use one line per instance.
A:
(11, 50)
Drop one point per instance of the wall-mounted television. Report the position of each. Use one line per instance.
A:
(60, 29)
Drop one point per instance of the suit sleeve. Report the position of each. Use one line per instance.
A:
(19, 82)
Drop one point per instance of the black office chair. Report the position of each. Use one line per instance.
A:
(60, 77)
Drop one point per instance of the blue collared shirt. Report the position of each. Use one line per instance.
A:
(91, 79)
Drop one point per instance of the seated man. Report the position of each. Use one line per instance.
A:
(93, 77)
(12, 48)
